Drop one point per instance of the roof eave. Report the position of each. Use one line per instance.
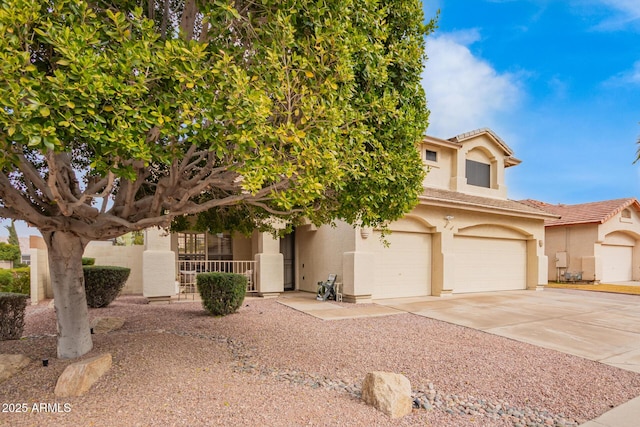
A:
(435, 201)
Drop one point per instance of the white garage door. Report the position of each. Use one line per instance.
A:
(617, 263)
(484, 264)
(404, 268)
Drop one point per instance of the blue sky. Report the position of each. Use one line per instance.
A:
(558, 80)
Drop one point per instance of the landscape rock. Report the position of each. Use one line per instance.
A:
(78, 377)
(388, 392)
(102, 325)
(10, 364)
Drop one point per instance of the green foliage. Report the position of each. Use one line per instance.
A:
(9, 252)
(103, 284)
(6, 280)
(88, 261)
(16, 280)
(21, 280)
(296, 108)
(222, 293)
(12, 308)
(13, 234)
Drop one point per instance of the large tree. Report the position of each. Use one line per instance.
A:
(116, 117)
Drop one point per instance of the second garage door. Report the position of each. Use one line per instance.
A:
(617, 263)
(485, 264)
(404, 268)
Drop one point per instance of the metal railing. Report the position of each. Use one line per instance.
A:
(187, 271)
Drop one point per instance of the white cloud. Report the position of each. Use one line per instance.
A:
(631, 76)
(623, 14)
(463, 91)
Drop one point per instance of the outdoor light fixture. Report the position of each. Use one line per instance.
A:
(364, 232)
(448, 218)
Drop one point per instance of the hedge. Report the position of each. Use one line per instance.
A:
(221, 293)
(103, 283)
(12, 307)
(16, 280)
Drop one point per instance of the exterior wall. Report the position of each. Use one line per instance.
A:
(449, 171)
(319, 252)
(439, 172)
(578, 242)
(122, 256)
(40, 279)
(483, 149)
(104, 253)
(242, 248)
(623, 231)
(481, 224)
(583, 244)
(351, 253)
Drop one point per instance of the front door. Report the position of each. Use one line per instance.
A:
(287, 249)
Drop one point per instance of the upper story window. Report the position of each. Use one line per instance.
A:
(431, 155)
(478, 174)
(626, 213)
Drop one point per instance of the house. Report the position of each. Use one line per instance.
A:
(465, 235)
(600, 240)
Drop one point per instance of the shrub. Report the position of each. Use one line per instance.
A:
(6, 280)
(88, 261)
(12, 308)
(9, 252)
(21, 280)
(221, 293)
(103, 283)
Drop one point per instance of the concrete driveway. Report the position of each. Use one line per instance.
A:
(597, 326)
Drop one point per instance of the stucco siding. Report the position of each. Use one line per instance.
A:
(320, 253)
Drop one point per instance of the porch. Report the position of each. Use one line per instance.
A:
(189, 269)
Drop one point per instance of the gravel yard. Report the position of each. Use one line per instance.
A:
(271, 365)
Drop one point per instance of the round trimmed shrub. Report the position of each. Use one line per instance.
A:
(12, 307)
(221, 293)
(103, 283)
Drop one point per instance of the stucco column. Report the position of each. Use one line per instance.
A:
(269, 265)
(443, 262)
(357, 276)
(158, 266)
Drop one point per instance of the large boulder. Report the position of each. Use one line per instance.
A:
(10, 364)
(102, 325)
(78, 377)
(388, 392)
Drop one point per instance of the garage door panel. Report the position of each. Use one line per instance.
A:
(484, 264)
(617, 263)
(404, 268)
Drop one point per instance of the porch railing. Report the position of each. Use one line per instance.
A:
(187, 271)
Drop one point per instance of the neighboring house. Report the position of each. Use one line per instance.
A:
(600, 240)
(24, 248)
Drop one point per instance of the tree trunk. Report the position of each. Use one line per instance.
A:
(65, 251)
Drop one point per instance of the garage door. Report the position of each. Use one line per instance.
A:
(404, 268)
(484, 264)
(617, 262)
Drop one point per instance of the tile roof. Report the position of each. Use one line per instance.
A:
(511, 161)
(483, 203)
(467, 135)
(585, 213)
